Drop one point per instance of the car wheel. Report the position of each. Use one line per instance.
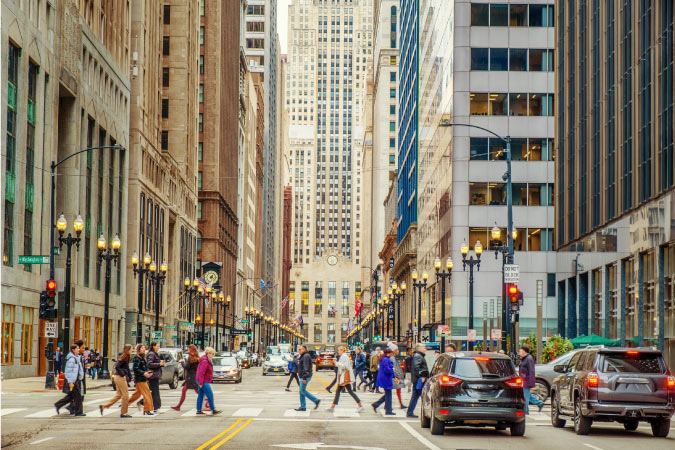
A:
(661, 427)
(437, 426)
(582, 425)
(518, 429)
(631, 425)
(540, 390)
(424, 420)
(556, 421)
(174, 381)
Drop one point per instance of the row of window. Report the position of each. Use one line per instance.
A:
(515, 104)
(513, 59)
(512, 15)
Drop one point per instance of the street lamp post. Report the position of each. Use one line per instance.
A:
(419, 285)
(471, 262)
(157, 278)
(142, 271)
(443, 275)
(107, 254)
(78, 226)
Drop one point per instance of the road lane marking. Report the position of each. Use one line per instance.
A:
(592, 446)
(231, 435)
(247, 412)
(5, 411)
(40, 441)
(219, 435)
(424, 441)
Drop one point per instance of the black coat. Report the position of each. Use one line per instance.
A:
(191, 374)
(140, 367)
(305, 366)
(418, 368)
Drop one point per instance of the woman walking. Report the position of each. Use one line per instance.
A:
(345, 376)
(204, 378)
(141, 375)
(385, 380)
(155, 364)
(293, 375)
(121, 376)
(190, 370)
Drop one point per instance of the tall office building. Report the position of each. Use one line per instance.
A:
(616, 212)
(330, 53)
(488, 65)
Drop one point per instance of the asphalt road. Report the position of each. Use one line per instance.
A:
(258, 414)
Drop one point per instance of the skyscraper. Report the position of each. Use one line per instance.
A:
(329, 55)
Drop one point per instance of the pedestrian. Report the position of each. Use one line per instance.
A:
(190, 375)
(359, 367)
(385, 380)
(419, 372)
(398, 373)
(155, 364)
(57, 360)
(526, 372)
(305, 371)
(345, 377)
(374, 366)
(74, 372)
(121, 376)
(293, 372)
(204, 379)
(141, 375)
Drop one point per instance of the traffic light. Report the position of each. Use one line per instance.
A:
(50, 293)
(515, 297)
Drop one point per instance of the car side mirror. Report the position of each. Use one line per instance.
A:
(560, 368)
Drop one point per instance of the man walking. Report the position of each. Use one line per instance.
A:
(359, 366)
(74, 372)
(418, 371)
(526, 371)
(305, 370)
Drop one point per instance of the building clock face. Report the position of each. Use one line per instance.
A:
(332, 260)
(211, 277)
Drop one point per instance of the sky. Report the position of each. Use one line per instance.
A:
(282, 23)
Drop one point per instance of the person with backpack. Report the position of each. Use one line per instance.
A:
(121, 377)
(293, 372)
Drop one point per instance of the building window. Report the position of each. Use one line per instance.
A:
(166, 45)
(165, 76)
(7, 334)
(480, 58)
(167, 14)
(165, 140)
(165, 108)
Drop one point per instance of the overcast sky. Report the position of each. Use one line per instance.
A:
(282, 23)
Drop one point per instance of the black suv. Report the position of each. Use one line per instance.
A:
(626, 385)
(473, 389)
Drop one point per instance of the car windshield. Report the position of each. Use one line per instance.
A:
(635, 363)
(484, 367)
(224, 361)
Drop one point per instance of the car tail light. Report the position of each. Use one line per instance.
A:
(443, 411)
(448, 381)
(592, 379)
(670, 383)
(514, 382)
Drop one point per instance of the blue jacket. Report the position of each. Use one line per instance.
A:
(360, 362)
(385, 376)
(74, 370)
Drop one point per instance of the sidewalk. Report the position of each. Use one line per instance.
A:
(37, 384)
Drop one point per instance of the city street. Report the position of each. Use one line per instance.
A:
(258, 414)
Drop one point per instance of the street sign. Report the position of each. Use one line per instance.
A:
(471, 335)
(443, 330)
(238, 331)
(157, 335)
(495, 334)
(51, 329)
(511, 273)
(33, 259)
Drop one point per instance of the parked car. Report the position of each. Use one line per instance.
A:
(275, 364)
(625, 385)
(325, 360)
(226, 368)
(177, 354)
(473, 389)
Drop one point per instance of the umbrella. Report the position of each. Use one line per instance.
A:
(593, 339)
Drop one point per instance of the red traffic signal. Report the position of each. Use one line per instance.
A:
(51, 288)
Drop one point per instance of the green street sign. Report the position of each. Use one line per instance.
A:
(244, 321)
(33, 259)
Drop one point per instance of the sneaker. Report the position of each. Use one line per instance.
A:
(287, 390)
(125, 416)
(360, 409)
(541, 406)
(216, 412)
(100, 408)
(316, 405)
(296, 409)
(176, 408)
(200, 413)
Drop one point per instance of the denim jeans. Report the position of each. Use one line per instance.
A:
(205, 390)
(386, 399)
(529, 398)
(304, 394)
(413, 401)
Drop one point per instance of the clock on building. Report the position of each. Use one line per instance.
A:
(332, 260)
(211, 277)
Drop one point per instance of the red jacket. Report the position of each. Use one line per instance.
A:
(204, 370)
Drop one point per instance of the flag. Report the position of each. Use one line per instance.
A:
(284, 302)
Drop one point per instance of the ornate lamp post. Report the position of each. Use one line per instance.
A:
(443, 275)
(107, 254)
(419, 285)
(158, 278)
(471, 262)
(142, 271)
(78, 226)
